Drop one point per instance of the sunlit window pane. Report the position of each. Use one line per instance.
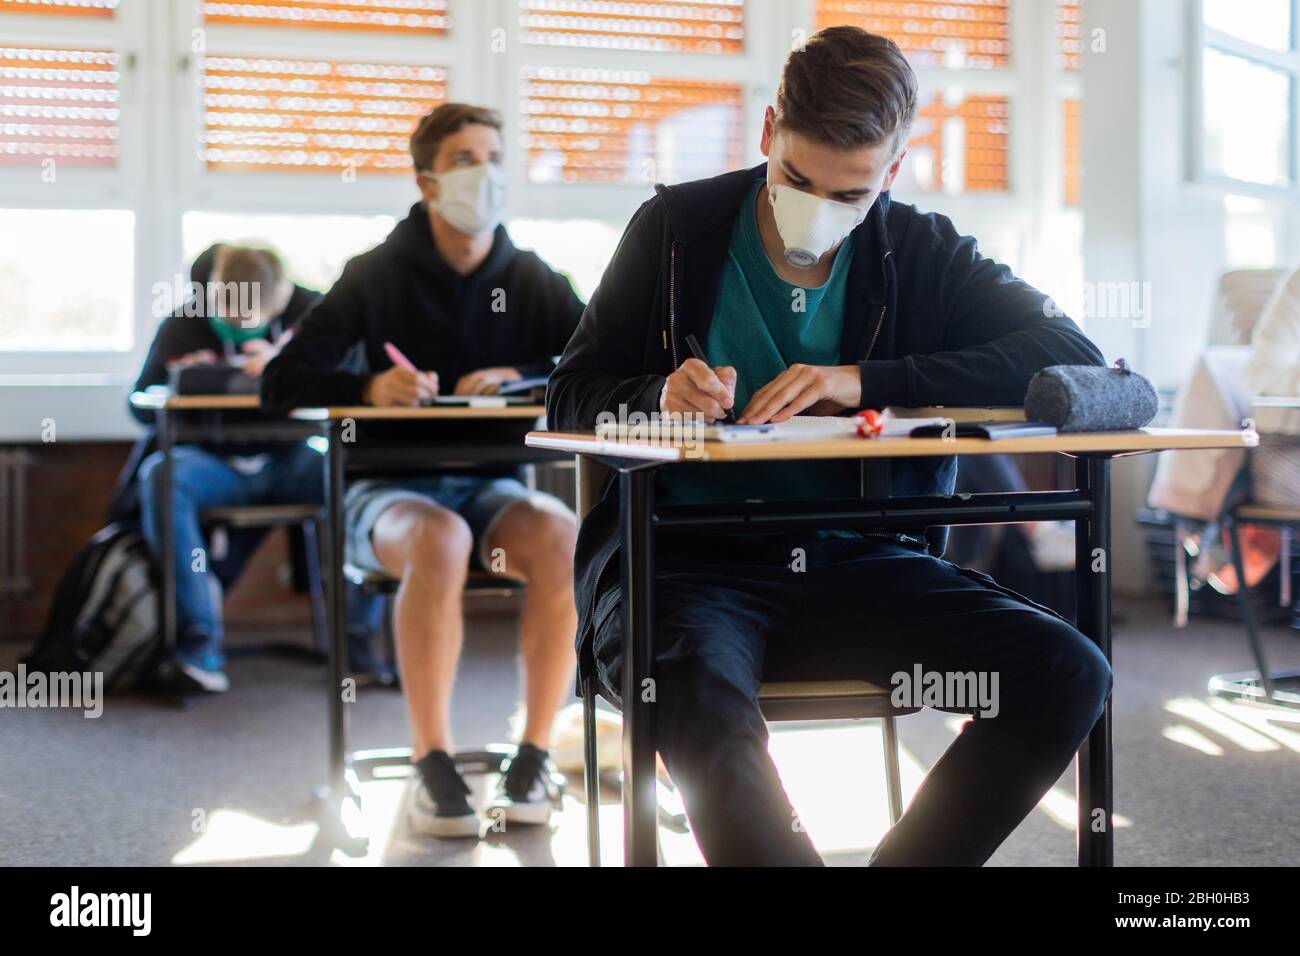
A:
(65, 280)
(314, 248)
(1069, 34)
(80, 8)
(579, 248)
(274, 113)
(972, 34)
(606, 126)
(59, 106)
(1266, 23)
(411, 16)
(1247, 117)
(958, 145)
(1073, 176)
(668, 26)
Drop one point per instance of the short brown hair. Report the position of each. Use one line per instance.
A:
(257, 267)
(447, 119)
(848, 88)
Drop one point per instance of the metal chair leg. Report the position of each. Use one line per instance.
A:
(315, 587)
(1182, 589)
(893, 779)
(591, 769)
(1248, 610)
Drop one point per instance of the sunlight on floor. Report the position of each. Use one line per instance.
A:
(233, 836)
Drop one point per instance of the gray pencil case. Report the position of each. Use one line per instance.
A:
(1085, 398)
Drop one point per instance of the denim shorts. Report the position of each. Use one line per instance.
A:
(479, 500)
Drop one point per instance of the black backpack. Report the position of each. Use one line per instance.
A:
(105, 613)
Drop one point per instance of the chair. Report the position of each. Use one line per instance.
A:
(778, 700)
(307, 517)
(1260, 685)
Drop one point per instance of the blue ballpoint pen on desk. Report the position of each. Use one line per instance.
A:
(693, 343)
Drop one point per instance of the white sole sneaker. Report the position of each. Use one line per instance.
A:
(214, 682)
(531, 814)
(423, 818)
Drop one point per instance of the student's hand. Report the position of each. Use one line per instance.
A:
(400, 386)
(203, 357)
(819, 389)
(486, 380)
(697, 389)
(258, 354)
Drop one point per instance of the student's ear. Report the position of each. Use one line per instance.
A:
(769, 130)
(427, 186)
(893, 172)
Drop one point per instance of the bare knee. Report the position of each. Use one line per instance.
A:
(536, 538)
(425, 542)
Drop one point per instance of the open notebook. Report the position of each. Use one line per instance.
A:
(823, 428)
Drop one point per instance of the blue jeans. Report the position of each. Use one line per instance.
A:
(200, 480)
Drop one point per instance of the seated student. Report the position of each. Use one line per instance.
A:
(249, 309)
(811, 291)
(450, 290)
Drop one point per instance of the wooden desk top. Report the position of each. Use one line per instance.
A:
(1117, 443)
(159, 399)
(423, 413)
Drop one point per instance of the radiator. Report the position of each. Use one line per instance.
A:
(14, 581)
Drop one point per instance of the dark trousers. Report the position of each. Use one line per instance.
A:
(733, 612)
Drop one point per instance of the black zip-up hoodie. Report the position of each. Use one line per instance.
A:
(927, 319)
(513, 310)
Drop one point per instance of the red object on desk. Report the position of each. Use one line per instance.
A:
(870, 423)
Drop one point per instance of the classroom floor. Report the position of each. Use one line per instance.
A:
(1198, 782)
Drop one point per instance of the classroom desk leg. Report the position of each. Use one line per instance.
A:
(1093, 568)
(640, 805)
(163, 423)
(342, 787)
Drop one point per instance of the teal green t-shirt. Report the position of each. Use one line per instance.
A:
(762, 325)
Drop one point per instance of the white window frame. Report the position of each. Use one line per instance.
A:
(1201, 38)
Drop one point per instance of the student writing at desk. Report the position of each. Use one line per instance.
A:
(452, 294)
(244, 309)
(811, 291)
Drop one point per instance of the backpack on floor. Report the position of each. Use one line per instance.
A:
(105, 613)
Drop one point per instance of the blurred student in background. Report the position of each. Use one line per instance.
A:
(470, 312)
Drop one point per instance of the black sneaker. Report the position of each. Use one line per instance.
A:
(530, 787)
(437, 806)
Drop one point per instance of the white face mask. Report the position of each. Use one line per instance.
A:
(471, 199)
(810, 226)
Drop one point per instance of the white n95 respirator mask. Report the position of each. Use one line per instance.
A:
(810, 226)
(470, 199)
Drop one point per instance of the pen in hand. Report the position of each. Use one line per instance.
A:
(693, 343)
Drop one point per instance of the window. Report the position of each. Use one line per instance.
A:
(958, 144)
(277, 114)
(1073, 156)
(668, 26)
(65, 280)
(969, 34)
(58, 106)
(601, 126)
(83, 8)
(1246, 70)
(1069, 34)
(413, 16)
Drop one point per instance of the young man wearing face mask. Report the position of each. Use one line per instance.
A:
(812, 292)
(450, 290)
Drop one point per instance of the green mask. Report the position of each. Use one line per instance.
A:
(234, 334)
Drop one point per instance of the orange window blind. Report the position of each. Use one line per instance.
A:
(58, 104)
(670, 26)
(1072, 154)
(268, 113)
(409, 16)
(961, 147)
(959, 33)
(1069, 34)
(605, 126)
(79, 8)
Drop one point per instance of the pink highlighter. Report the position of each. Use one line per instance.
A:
(397, 358)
